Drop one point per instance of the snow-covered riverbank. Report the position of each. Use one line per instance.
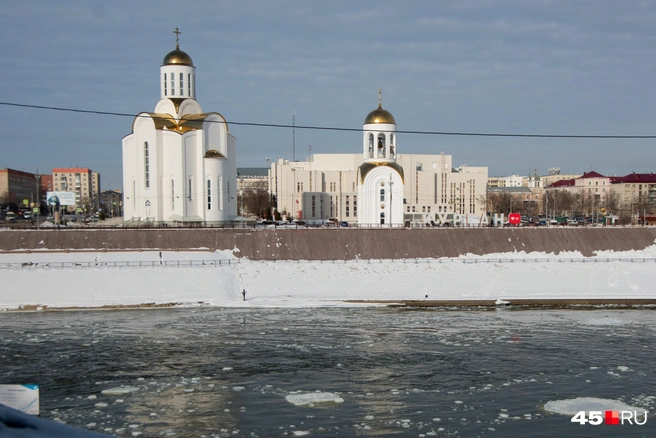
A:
(31, 280)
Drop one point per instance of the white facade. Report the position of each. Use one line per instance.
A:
(432, 187)
(179, 163)
(379, 177)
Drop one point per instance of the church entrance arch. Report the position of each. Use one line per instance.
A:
(147, 208)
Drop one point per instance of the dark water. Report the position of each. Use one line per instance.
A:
(226, 372)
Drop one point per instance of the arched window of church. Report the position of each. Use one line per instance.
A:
(382, 195)
(165, 85)
(382, 218)
(172, 195)
(181, 84)
(147, 208)
(381, 145)
(189, 190)
(189, 84)
(146, 165)
(172, 84)
(209, 194)
(147, 203)
(219, 198)
(371, 145)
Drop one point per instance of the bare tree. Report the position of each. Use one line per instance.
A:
(257, 202)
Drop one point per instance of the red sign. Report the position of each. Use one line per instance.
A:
(514, 218)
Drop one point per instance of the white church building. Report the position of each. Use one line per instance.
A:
(380, 177)
(179, 162)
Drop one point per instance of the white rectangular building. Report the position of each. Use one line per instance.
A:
(325, 186)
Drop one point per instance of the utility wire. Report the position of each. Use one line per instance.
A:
(328, 128)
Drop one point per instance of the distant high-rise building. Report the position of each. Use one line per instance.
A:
(83, 182)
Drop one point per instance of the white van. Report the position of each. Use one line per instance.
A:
(10, 216)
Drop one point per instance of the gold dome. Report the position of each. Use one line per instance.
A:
(177, 57)
(379, 115)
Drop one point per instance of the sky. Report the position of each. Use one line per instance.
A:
(570, 67)
(292, 284)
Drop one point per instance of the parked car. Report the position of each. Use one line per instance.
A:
(10, 216)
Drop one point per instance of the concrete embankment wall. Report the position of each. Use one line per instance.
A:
(340, 243)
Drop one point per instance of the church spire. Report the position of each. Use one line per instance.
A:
(380, 98)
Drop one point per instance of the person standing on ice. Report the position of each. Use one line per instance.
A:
(243, 293)
(160, 257)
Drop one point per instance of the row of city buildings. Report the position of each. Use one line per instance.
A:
(25, 190)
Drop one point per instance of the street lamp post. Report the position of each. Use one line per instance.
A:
(38, 199)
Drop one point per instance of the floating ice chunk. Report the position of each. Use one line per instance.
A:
(101, 405)
(369, 417)
(313, 397)
(300, 432)
(572, 406)
(623, 368)
(120, 390)
(500, 302)
(238, 388)
(226, 369)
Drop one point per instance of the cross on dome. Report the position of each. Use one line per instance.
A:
(177, 38)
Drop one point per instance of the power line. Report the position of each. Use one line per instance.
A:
(328, 128)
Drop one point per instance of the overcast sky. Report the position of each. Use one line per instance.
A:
(521, 67)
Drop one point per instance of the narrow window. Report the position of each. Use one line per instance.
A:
(189, 84)
(228, 191)
(146, 165)
(189, 190)
(181, 84)
(219, 198)
(172, 195)
(172, 84)
(165, 86)
(382, 195)
(134, 195)
(209, 194)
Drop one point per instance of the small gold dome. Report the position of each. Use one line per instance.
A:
(177, 57)
(379, 115)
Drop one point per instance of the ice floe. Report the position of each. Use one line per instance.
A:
(311, 398)
(120, 390)
(572, 406)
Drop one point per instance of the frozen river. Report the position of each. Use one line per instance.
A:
(233, 372)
